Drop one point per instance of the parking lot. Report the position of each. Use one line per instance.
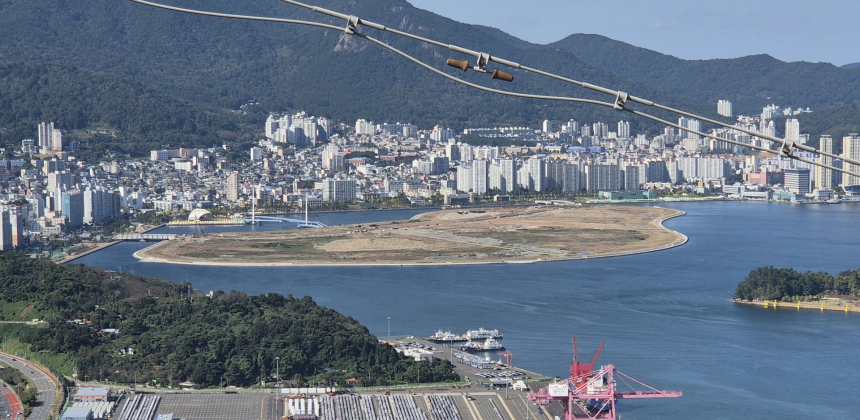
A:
(192, 406)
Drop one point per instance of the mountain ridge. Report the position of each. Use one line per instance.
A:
(749, 82)
(224, 63)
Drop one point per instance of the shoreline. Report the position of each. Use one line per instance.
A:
(683, 239)
(821, 305)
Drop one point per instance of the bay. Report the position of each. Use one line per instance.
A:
(667, 317)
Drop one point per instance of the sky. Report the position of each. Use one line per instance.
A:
(790, 30)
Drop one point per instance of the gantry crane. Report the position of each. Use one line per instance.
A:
(591, 394)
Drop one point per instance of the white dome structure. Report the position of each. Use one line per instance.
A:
(199, 215)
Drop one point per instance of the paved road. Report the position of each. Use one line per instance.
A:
(44, 383)
(6, 410)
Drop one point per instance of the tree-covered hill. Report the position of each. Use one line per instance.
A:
(769, 283)
(749, 82)
(138, 118)
(225, 63)
(176, 338)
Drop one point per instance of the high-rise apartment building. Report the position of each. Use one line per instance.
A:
(464, 177)
(503, 175)
(535, 169)
(338, 189)
(724, 108)
(50, 138)
(233, 187)
(851, 150)
(332, 159)
(479, 176)
(602, 178)
(792, 130)
(453, 152)
(600, 130)
(623, 129)
(547, 126)
(690, 124)
(5, 232)
(824, 176)
(365, 127)
(73, 207)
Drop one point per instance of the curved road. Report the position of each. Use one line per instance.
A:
(45, 384)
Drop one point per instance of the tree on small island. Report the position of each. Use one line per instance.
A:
(786, 284)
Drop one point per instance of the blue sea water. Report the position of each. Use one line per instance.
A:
(667, 317)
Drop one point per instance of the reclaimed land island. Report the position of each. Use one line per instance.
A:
(499, 235)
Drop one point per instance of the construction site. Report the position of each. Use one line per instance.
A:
(502, 235)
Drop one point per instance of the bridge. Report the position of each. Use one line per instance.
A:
(300, 223)
(146, 237)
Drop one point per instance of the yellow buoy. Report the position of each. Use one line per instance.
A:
(766, 304)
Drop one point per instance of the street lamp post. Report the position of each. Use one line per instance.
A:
(278, 389)
(389, 330)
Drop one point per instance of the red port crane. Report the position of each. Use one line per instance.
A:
(591, 394)
(508, 356)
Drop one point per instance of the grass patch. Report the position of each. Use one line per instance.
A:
(60, 364)
(18, 311)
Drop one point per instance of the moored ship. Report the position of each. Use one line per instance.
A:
(476, 346)
(446, 337)
(482, 334)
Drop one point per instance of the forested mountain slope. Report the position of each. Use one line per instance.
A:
(176, 338)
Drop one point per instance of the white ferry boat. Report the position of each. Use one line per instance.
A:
(476, 346)
(446, 337)
(482, 334)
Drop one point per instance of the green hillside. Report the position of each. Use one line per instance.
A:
(175, 339)
(225, 63)
(749, 82)
(135, 118)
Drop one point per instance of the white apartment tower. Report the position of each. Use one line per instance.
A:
(50, 138)
(535, 169)
(792, 130)
(479, 176)
(692, 125)
(332, 159)
(623, 129)
(503, 175)
(851, 150)
(724, 108)
(547, 126)
(824, 176)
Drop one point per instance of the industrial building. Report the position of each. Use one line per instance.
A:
(77, 413)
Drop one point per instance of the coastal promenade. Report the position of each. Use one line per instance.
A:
(820, 305)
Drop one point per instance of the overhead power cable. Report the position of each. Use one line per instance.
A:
(786, 148)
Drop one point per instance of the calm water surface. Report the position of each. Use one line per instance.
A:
(666, 317)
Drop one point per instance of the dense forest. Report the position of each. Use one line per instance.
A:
(786, 284)
(225, 63)
(177, 336)
(106, 112)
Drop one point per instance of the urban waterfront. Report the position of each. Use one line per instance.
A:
(667, 317)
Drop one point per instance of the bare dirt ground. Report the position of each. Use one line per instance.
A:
(441, 237)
